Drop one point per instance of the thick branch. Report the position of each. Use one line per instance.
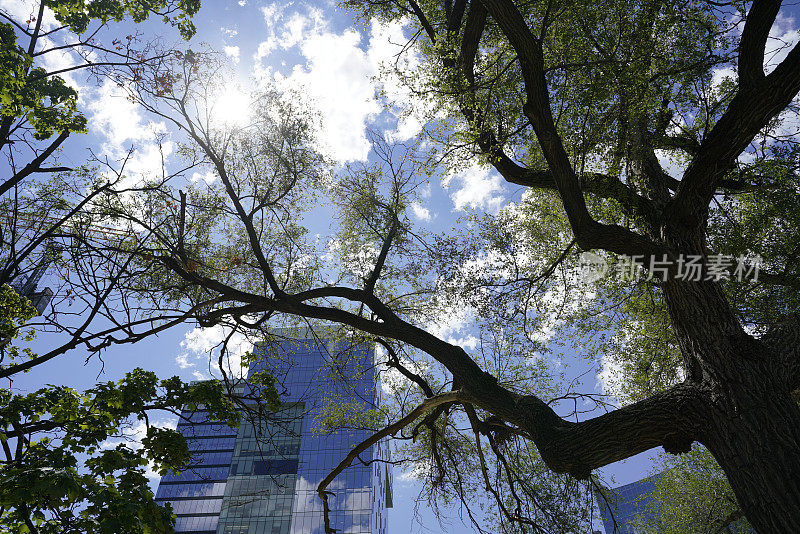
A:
(754, 38)
(756, 103)
(35, 163)
(394, 361)
(783, 341)
(369, 286)
(423, 20)
(665, 419)
(588, 232)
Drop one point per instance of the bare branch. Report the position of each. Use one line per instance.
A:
(427, 405)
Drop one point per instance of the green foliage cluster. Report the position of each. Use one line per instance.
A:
(46, 102)
(337, 413)
(629, 84)
(621, 76)
(62, 470)
(15, 311)
(264, 382)
(78, 14)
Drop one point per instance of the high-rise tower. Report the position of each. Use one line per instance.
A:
(262, 477)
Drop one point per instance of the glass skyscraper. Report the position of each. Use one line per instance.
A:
(620, 507)
(262, 477)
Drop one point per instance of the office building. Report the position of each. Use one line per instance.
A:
(262, 477)
(621, 507)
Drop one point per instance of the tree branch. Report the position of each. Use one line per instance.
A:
(666, 419)
(754, 39)
(369, 285)
(35, 164)
(394, 361)
(758, 100)
(427, 405)
(423, 20)
(783, 340)
(588, 232)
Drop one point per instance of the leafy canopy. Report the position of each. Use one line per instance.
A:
(62, 471)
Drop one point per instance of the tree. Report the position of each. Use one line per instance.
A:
(58, 473)
(38, 104)
(572, 103)
(577, 100)
(218, 249)
(38, 110)
(42, 206)
(61, 471)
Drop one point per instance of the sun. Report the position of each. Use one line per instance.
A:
(232, 107)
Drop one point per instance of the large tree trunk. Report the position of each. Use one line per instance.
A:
(756, 440)
(752, 426)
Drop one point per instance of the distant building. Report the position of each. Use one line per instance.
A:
(623, 507)
(620, 507)
(262, 478)
(27, 287)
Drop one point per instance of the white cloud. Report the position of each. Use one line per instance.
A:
(286, 32)
(22, 10)
(783, 36)
(340, 77)
(233, 53)
(468, 342)
(117, 117)
(208, 177)
(203, 343)
(183, 361)
(337, 81)
(420, 212)
(121, 122)
(610, 375)
(299, 26)
(476, 187)
(57, 59)
(451, 321)
(719, 75)
(147, 160)
(387, 45)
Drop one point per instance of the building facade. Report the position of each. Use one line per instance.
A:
(621, 507)
(262, 477)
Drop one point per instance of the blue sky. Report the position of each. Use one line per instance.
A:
(318, 50)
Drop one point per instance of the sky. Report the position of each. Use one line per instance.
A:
(319, 50)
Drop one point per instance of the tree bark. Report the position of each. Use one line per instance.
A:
(755, 437)
(752, 424)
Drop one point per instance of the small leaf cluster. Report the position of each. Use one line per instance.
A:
(46, 102)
